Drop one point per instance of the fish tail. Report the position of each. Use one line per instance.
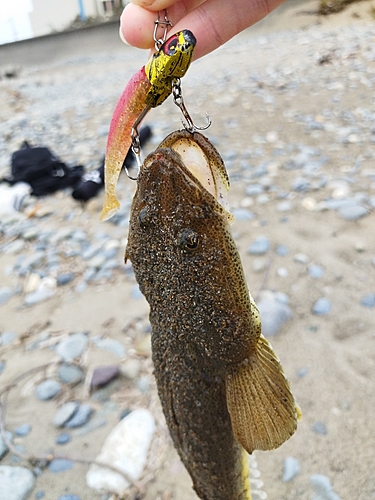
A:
(262, 408)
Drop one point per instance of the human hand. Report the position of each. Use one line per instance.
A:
(213, 22)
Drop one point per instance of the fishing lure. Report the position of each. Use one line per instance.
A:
(147, 89)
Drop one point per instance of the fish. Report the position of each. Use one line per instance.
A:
(148, 88)
(222, 387)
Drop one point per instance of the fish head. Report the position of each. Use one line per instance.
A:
(170, 62)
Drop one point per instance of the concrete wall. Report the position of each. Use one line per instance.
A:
(51, 48)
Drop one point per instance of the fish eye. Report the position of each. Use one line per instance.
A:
(170, 49)
(188, 239)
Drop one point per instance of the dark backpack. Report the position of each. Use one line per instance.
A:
(42, 170)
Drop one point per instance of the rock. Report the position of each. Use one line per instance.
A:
(259, 247)
(2, 366)
(39, 295)
(60, 465)
(23, 430)
(301, 258)
(315, 271)
(7, 338)
(322, 306)
(353, 211)
(65, 412)
(112, 345)
(69, 497)
(32, 283)
(319, 428)
(3, 446)
(16, 483)
(131, 368)
(70, 374)
(5, 294)
(47, 389)
(136, 293)
(273, 314)
(65, 278)
(291, 469)
(63, 438)
(126, 448)
(80, 417)
(282, 250)
(302, 372)
(72, 346)
(39, 494)
(102, 375)
(259, 264)
(323, 488)
(243, 214)
(284, 206)
(368, 300)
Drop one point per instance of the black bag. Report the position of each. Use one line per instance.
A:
(42, 170)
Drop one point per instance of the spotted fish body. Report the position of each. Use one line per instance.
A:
(221, 386)
(148, 88)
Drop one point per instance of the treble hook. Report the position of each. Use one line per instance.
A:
(179, 101)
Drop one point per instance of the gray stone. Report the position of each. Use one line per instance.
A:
(3, 446)
(322, 306)
(131, 368)
(254, 190)
(63, 438)
(72, 346)
(70, 374)
(22, 430)
(80, 417)
(65, 412)
(353, 212)
(69, 497)
(16, 483)
(368, 300)
(102, 375)
(273, 314)
(282, 250)
(65, 278)
(2, 366)
(243, 214)
(47, 389)
(315, 271)
(60, 465)
(39, 295)
(291, 469)
(7, 338)
(260, 246)
(319, 428)
(5, 294)
(112, 345)
(322, 486)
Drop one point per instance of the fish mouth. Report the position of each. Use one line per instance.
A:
(202, 161)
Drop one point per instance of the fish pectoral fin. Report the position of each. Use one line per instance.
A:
(262, 408)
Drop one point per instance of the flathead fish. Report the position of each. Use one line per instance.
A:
(221, 386)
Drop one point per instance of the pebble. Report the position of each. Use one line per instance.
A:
(65, 278)
(60, 465)
(130, 368)
(16, 483)
(72, 347)
(282, 250)
(243, 214)
(322, 486)
(112, 345)
(368, 300)
(5, 294)
(291, 469)
(126, 448)
(273, 314)
(102, 375)
(63, 438)
(315, 271)
(2, 366)
(353, 212)
(322, 306)
(22, 430)
(69, 497)
(80, 417)
(65, 412)
(3, 446)
(7, 338)
(70, 374)
(39, 494)
(260, 246)
(47, 389)
(39, 295)
(319, 428)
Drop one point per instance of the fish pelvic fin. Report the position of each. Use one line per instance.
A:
(262, 408)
